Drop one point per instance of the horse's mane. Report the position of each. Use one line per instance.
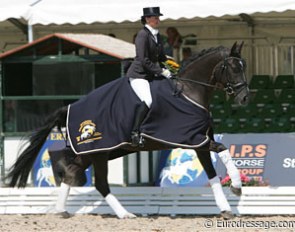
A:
(202, 54)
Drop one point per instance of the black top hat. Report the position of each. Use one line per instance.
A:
(151, 11)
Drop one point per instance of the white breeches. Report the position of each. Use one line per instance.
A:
(142, 89)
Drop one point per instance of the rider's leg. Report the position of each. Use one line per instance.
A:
(100, 163)
(142, 89)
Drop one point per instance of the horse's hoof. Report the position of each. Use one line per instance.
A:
(128, 216)
(227, 215)
(236, 191)
(64, 215)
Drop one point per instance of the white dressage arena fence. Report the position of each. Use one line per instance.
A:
(150, 201)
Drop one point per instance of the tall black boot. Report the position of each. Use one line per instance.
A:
(140, 114)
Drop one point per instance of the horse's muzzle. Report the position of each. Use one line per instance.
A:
(244, 100)
(243, 97)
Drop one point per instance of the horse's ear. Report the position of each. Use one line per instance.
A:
(240, 47)
(236, 49)
(233, 49)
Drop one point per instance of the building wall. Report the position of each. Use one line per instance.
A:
(10, 36)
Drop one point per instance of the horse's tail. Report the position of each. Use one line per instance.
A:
(19, 172)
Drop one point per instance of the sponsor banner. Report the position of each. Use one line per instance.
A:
(267, 157)
(182, 168)
(43, 175)
(248, 158)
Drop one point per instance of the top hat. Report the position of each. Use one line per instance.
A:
(151, 11)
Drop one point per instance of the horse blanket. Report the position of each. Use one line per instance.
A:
(103, 120)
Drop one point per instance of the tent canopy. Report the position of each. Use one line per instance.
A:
(80, 11)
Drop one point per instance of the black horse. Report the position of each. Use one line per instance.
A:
(215, 68)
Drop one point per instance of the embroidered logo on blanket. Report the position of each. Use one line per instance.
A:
(88, 132)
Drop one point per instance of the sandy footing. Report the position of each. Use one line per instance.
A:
(85, 223)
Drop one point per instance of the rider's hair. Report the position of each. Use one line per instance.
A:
(143, 20)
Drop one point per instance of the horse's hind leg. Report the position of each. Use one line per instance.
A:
(232, 170)
(69, 171)
(100, 164)
(221, 201)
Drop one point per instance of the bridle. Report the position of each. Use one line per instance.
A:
(231, 88)
(223, 67)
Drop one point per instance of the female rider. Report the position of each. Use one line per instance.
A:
(146, 66)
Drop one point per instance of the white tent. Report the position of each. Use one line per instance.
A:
(89, 11)
(26, 13)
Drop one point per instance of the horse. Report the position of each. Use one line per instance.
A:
(212, 69)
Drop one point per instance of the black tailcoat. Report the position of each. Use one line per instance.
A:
(149, 55)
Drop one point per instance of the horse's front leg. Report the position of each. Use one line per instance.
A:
(232, 170)
(220, 199)
(100, 164)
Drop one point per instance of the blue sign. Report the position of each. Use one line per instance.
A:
(182, 168)
(265, 157)
(42, 171)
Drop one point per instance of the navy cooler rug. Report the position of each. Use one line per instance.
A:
(103, 120)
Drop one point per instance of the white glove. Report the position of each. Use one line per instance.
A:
(166, 73)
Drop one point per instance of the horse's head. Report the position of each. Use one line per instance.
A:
(213, 68)
(231, 74)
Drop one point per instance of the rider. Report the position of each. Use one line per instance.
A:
(146, 66)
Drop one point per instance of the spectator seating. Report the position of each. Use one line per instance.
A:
(254, 125)
(229, 125)
(271, 108)
(286, 97)
(281, 124)
(263, 97)
(260, 82)
(284, 82)
(218, 97)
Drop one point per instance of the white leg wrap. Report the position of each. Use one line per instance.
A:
(220, 198)
(116, 206)
(232, 170)
(62, 197)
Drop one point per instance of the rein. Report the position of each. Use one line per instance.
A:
(195, 82)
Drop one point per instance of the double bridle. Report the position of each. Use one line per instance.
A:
(230, 88)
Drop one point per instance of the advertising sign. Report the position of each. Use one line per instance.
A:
(43, 175)
(269, 158)
(249, 159)
(182, 168)
(266, 157)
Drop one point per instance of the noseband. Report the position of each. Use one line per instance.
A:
(230, 88)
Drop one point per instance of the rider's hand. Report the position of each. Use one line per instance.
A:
(166, 73)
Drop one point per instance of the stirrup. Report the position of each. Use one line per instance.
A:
(141, 141)
(137, 140)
